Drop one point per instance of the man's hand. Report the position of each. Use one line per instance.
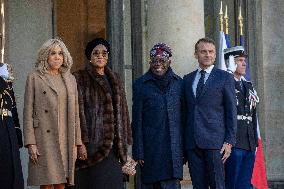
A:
(226, 151)
(141, 162)
(33, 152)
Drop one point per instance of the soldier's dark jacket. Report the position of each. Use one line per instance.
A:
(247, 121)
(11, 176)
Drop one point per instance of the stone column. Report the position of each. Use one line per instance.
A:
(178, 23)
(273, 84)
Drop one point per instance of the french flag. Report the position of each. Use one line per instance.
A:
(222, 45)
(259, 179)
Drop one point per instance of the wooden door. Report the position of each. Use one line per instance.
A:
(76, 23)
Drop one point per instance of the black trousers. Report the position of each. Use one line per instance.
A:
(6, 163)
(206, 169)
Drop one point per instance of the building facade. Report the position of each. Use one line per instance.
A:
(133, 27)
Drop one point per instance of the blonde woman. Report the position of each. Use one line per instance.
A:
(51, 118)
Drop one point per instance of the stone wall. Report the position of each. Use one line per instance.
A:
(179, 23)
(273, 81)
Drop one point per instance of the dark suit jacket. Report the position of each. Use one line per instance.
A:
(211, 119)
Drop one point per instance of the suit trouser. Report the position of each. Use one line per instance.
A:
(206, 169)
(165, 184)
(239, 167)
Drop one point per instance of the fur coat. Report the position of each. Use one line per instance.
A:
(103, 115)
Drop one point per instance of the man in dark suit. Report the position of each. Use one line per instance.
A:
(211, 118)
(239, 165)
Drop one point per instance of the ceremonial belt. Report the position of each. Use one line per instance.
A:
(242, 117)
(5, 112)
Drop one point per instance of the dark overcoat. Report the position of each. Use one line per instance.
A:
(11, 176)
(157, 127)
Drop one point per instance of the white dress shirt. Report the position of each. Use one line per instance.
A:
(198, 75)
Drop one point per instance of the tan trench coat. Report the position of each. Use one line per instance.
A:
(40, 121)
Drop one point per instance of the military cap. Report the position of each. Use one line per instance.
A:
(237, 51)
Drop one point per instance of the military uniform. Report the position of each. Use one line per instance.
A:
(247, 125)
(11, 176)
(239, 165)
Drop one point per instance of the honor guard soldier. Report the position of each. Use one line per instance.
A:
(239, 165)
(11, 176)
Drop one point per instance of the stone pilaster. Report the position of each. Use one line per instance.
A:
(178, 23)
(273, 81)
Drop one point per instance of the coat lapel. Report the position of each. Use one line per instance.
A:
(246, 88)
(68, 84)
(239, 94)
(209, 82)
(47, 81)
(190, 82)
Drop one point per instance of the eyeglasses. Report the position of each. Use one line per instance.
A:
(159, 61)
(97, 53)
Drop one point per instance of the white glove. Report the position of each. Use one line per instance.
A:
(5, 71)
(231, 65)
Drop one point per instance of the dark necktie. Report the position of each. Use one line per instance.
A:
(200, 84)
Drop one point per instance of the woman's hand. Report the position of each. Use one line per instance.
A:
(82, 152)
(129, 167)
(33, 152)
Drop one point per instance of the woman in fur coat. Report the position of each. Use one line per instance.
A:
(104, 119)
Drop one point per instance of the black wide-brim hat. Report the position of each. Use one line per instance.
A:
(237, 51)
